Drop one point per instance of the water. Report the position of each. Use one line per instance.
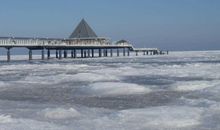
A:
(180, 91)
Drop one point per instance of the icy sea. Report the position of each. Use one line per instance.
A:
(179, 91)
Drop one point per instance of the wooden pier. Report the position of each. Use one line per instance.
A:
(83, 40)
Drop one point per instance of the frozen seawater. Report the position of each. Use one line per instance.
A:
(180, 91)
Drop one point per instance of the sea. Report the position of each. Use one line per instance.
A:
(179, 91)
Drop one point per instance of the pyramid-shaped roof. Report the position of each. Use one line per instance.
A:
(83, 30)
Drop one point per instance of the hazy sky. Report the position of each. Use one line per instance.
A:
(167, 24)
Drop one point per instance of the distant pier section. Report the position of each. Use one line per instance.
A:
(82, 43)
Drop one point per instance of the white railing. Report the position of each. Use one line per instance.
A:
(19, 42)
(145, 49)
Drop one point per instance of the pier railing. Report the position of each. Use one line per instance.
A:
(42, 42)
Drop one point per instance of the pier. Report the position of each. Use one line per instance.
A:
(82, 41)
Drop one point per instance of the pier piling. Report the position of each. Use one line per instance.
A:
(128, 53)
(48, 53)
(100, 52)
(75, 53)
(57, 54)
(123, 51)
(81, 53)
(106, 52)
(72, 54)
(85, 54)
(8, 54)
(65, 54)
(42, 54)
(92, 52)
(60, 54)
(30, 54)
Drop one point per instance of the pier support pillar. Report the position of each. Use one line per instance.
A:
(57, 56)
(60, 54)
(128, 52)
(30, 54)
(85, 54)
(100, 52)
(111, 53)
(92, 52)
(136, 53)
(74, 52)
(42, 54)
(65, 53)
(81, 53)
(8, 54)
(106, 52)
(147, 52)
(48, 54)
(123, 51)
(117, 52)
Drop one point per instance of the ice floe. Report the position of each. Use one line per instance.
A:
(60, 113)
(116, 88)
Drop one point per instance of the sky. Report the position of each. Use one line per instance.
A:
(166, 24)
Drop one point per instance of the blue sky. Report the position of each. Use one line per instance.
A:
(167, 24)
